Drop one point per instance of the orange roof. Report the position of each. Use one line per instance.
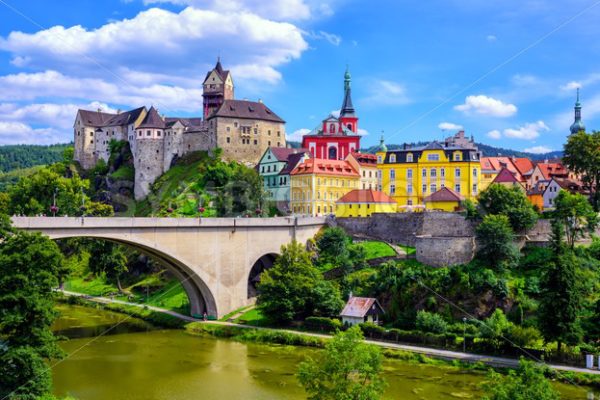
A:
(366, 196)
(365, 159)
(549, 170)
(321, 166)
(523, 164)
(505, 176)
(497, 163)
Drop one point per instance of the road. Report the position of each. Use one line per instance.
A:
(436, 353)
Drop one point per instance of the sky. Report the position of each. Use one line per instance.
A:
(505, 71)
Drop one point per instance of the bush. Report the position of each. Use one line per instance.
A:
(323, 324)
(523, 337)
(371, 330)
(431, 322)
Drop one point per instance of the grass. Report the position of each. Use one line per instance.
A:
(252, 317)
(234, 312)
(409, 250)
(125, 172)
(376, 249)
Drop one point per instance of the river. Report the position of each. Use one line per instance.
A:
(136, 362)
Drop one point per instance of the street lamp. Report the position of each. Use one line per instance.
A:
(82, 203)
(54, 208)
(464, 334)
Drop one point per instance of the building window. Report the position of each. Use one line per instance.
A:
(475, 172)
(409, 157)
(262, 169)
(457, 157)
(378, 159)
(235, 124)
(424, 188)
(140, 133)
(392, 190)
(443, 172)
(433, 172)
(392, 174)
(228, 140)
(392, 158)
(409, 202)
(409, 173)
(457, 172)
(228, 129)
(433, 157)
(457, 188)
(433, 188)
(269, 142)
(255, 141)
(474, 188)
(424, 174)
(158, 133)
(409, 188)
(255, 131)
(148, 133)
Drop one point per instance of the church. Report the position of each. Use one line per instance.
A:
(242, 129)
(336, 137)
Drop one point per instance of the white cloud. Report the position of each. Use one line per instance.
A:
(384, 92)
(330, 37)
(362, 132)
(495, 134)
(589, 80)
(571, 86)
(538, 149)
(491, 38)
(449, 126)
(17, 132)
(486, 106)
(296, 136)
(272, 9)
(528, 131)
(162, 41)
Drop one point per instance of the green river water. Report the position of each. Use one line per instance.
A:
(134, 361)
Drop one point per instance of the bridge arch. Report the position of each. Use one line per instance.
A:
(200, 295)
(262, 264)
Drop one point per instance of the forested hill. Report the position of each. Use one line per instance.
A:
(25, 155)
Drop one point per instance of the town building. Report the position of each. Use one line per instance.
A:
(317, 184)
(546, 170)
(509, 179)
(242, 129)
(410, 174)
(361, 309)
(275, 167)
(366, 165)
(444, 199)
(363, 203)
(535, 195)
(491, 167)
(337, 137)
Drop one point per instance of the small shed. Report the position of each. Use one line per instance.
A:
(361, 309)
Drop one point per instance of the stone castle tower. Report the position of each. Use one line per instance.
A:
(217, 87)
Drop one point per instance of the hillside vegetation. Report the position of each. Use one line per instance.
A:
(19, 156)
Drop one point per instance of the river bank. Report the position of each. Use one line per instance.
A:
(151, 363)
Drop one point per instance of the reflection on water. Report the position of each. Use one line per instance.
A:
(161, 364)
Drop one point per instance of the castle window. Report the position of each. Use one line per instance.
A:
(92, 141)
(157, 133)
(255, 131)
(228, 129)
(255, 141)
(140, 133)
(235, 124)
(78, 133)
(269, 132)
(157, 151)
(278, 144)
(269, 142)
(92, 134)
(228, 140)
(148, 133)
(278, 133)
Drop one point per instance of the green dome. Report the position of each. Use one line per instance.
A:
(382, 147)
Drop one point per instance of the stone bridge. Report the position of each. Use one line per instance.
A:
(217, 260)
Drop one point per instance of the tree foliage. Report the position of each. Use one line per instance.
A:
(294, 288)
(582, 156)
(575, 214)
(107, 258)
(348, 370)
(526, 383)
(24, 156)
(512, 202)
(495, 241)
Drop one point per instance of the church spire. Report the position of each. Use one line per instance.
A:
(347, 109)
(578, 123)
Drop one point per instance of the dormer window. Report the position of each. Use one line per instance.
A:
(332, 128)
(409, 157)
(392, 158)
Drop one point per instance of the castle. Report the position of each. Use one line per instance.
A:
(242, 129)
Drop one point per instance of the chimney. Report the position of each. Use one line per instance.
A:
(260, 101)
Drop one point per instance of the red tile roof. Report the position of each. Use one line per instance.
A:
(505, 176)
(282, 153)
(444, 194)
(497, 163)
(523, 164)
(550, 170)
(365, 159)
(320, 166)
(360, 306)
(366, 196)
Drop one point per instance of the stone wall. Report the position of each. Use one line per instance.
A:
(444, 251)
(148, 163)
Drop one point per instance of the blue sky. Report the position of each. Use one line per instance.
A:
(504, 70)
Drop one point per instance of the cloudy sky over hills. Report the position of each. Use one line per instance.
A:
(504, 70)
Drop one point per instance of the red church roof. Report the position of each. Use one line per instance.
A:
(320, 166)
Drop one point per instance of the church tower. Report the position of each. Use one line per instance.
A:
(578, 123)
(348, 116)
(217, 87)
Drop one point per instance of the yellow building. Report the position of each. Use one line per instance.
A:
(410, 174)
(444, 199)
(366, 165)
(363, 203)
(317, 184)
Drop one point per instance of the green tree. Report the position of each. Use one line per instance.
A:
(348, 370)
(30, 267)
(327, 301)
(495, 328)
(495, 241)
(575, 214)
(526, 383)
(107, 258)
(581, 156)
(333, 245)
(512, 202)
(562, 296)
(430, 322)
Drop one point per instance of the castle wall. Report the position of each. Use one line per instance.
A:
(148, 163)
(246, 140)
